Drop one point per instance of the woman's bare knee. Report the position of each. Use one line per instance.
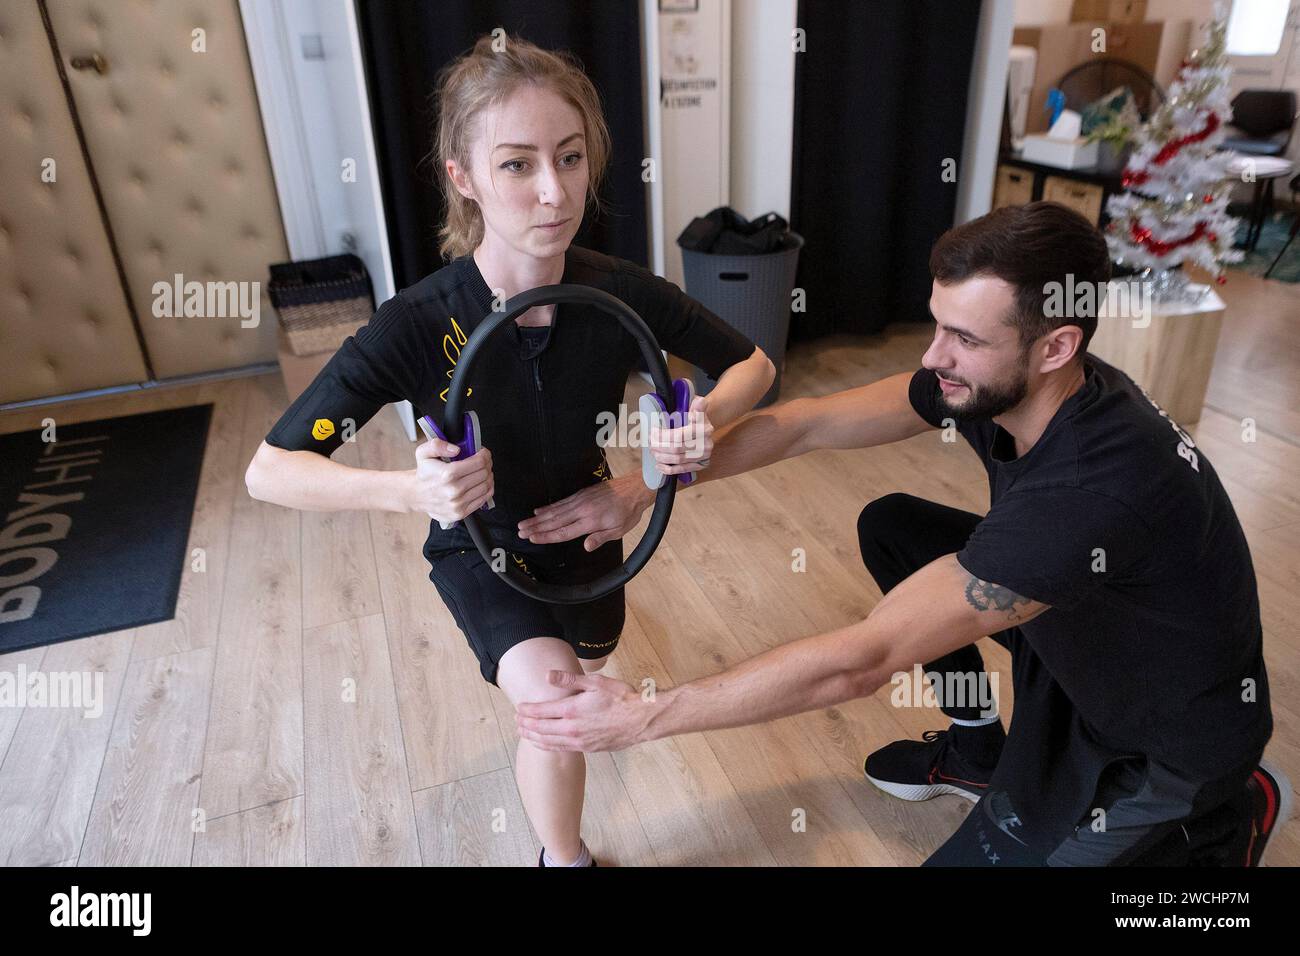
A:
(522, 671)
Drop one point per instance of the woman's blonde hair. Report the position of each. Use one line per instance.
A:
(485, 77)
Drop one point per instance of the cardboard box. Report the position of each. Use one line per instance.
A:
(1062, 46)
(1061, 153)
(298, 371)
(1122, 11)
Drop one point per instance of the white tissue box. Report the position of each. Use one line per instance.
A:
(1061, 153)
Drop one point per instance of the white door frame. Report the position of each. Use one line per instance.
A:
(308, 70)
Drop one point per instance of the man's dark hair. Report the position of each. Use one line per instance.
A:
(1027, 246)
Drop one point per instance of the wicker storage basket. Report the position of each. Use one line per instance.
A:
(321, 301)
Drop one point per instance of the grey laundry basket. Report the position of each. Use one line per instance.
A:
(752, 295)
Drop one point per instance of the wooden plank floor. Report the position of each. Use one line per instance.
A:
(313, 701)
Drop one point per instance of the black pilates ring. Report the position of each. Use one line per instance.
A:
(453, 418)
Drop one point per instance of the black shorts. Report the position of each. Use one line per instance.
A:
(495, 617)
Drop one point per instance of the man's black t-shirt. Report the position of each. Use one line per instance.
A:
(1153, 641)
(538, 392)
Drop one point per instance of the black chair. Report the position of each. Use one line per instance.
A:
(1263, 120)
(1090, 81)
(1295, 227)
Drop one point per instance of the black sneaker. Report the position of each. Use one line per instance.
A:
(921, 769)
(542, 854)
(1271, 799)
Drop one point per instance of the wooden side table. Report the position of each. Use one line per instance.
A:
(1171, 357)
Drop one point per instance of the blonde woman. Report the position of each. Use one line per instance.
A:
(521, 148)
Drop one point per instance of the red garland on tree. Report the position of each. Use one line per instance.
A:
(1172, 148)
(1175, 207)
(1143, 238)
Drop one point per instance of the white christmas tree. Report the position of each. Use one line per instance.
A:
(1177, 207)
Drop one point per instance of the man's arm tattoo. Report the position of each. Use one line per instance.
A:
(986, 596)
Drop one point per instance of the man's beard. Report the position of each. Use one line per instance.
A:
(988, 401)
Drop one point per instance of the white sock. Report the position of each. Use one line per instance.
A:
(584, 858)
(975, 723)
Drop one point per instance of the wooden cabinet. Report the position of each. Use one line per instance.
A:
(1019, 181)
(1082, 197)
(1014, 186)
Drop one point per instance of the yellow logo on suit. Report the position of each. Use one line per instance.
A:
(322, 429)
(451, 343)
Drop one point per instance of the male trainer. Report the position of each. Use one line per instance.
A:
(1111, 564)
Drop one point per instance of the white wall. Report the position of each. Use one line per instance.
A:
(694, 64)
(985, 103)
(762, 105)
(306, 60)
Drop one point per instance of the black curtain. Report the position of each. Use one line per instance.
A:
(405, 44)
(880, 103)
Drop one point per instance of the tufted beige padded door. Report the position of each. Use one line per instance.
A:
(64, 322)
(174, 133)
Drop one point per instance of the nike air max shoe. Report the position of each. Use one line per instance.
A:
(1270, 807)
(921, 769)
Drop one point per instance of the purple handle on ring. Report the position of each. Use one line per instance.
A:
(652, 403)
(468, 445)
(684, 392)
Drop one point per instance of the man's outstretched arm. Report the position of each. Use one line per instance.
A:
(938, 609)
(861, 417)
(874, 414)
